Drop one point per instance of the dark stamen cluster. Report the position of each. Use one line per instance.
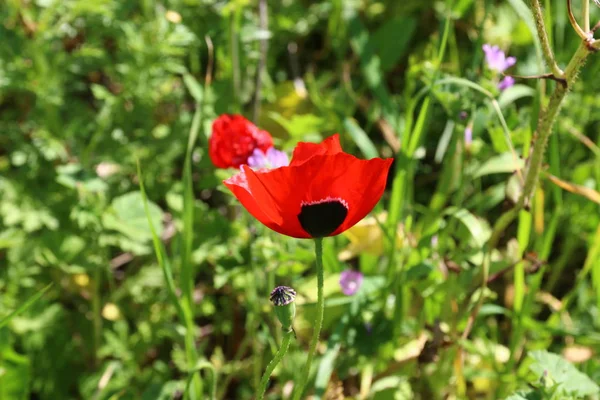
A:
(282, 295)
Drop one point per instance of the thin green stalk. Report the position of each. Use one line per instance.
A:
(586, 15)
(299, 389)
(212, 383)
(546, 123)
(96, 311)
(28, 303)
(523, 235)
(543, 35)
(187, 272)
(263, 15)
(235, 58)
(260, 394)
(501, 224)
(519, 308)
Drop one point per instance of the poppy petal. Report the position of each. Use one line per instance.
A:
(310, 197)
(323, 192)
(306, 150)
(279, 192)
(372, 175)
(238, 184)
(356, 183)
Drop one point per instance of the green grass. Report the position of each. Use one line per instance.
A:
(128, 271)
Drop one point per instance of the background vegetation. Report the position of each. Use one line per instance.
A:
(89, 87)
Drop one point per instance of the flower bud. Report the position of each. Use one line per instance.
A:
(283, 299)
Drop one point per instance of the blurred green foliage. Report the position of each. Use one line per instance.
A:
(89, 87)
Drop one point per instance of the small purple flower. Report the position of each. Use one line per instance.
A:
(496, 59)
(468, 135)
(273, 158)
(350, 281)
(505, 83)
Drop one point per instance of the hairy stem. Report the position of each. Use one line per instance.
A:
(299, 389)
(543, 35)
(287, 337)
(546, 123)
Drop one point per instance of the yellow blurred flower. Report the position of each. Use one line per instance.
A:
(81, 280)
(367, 237)
(173, 16)
(111, 312)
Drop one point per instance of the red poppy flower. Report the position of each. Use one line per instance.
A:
(233, 140)
(323, 191)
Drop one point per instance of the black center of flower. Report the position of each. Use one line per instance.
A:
(323, 218)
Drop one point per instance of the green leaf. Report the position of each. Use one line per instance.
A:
(533, 395)
(556, 370)
(128, 217)
(401, 29)
(479, 230)
(504, 163)
(392, 388)
(193, 87)
(360, 138)
(514, 93)
(15, 375)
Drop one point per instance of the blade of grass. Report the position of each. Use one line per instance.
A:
(159, 249)
(5, 320)
(182, 309)
(187, 278)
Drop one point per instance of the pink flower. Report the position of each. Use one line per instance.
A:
(505, 83)
(273, 158)
(496, 59)
(468, 141)
(350, 281)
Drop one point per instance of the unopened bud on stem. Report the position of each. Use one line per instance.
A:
(283, 298)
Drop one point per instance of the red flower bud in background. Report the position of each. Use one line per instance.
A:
(234, 139)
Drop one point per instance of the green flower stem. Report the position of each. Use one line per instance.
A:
(546, 122)
(586, 15)
(543, 35)
(299, 389)
(285, 343)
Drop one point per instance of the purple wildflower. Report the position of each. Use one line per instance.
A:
(273, 158)
(496, 59)
(505, 83)
(350, 281)
(469, 135)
